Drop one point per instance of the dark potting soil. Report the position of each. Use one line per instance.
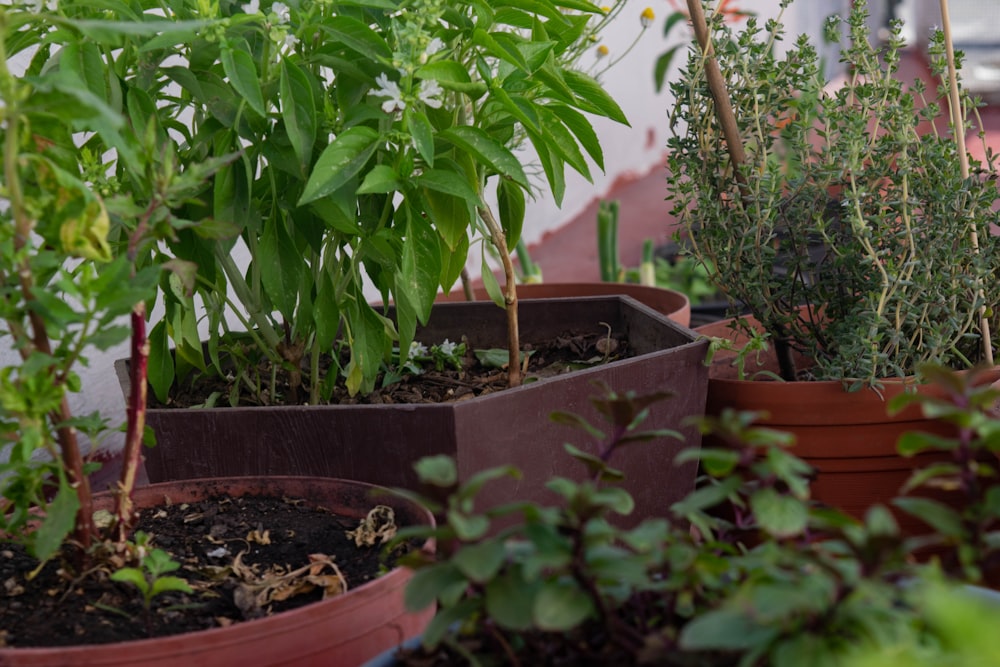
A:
(243, 557)
(563, 354)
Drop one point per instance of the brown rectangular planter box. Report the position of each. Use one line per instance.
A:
(379, 443)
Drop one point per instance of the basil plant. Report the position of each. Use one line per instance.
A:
(349, 141)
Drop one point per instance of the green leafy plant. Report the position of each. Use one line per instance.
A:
(846, 198)
(962, 499)
(359, 142)
(747, 570)
(152, 577)
(65, 288)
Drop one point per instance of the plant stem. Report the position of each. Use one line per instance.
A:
(136, 412)
(499, 240)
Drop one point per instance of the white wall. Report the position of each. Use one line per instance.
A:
(629, 151)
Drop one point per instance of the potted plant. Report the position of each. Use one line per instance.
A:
(63, 294)
(848, 221)
(812, 586)
(367, 138)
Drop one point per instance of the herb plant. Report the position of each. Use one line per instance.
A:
(64, 290)
(358, 141)
(844, 222)
(747, 570)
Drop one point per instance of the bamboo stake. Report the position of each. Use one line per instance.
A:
(958, 123)
(720, 95)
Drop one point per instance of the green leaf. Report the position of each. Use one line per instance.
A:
(437, 470)
(421, 264)
(298, 110)
(480, 562)
(242, 72)
(511, 205)
(490, 283)
(500, 46)
(487, 150)
(326, 311)
(446, 619)
(429, 583)
(562, 142)
(160, 368)
(281, 267)
(592, 97)
(60, 517)
(454, 262)
(131, 575)
(561, 606)
(468, 527)
(780, 515)
(510, 600)
(381, 179)
(724, 630)
(164, 584)
(582, 130)
(912, 443)
(520, 108)
(450, 183)
(422, 133)
(359, 37)
(937, 515)
(340, 162)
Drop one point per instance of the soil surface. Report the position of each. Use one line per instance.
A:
(470, 378)
(243, 558)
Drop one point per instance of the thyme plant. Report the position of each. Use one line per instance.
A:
(849, 201)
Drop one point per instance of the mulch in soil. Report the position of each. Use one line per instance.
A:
(562, 354)
(243, 557)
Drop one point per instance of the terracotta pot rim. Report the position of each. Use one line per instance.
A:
(239, 633)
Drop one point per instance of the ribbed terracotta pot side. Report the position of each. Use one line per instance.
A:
(345, 630)
(847, 436)
(675, 305)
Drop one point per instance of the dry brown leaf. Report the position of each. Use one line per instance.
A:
(377, 528)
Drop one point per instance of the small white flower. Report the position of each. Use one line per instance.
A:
(252, 7)
(391, 90)
(435, 46)
(417, 349)
(291, 41)
(428, 93)
(447, 348)
(281, 10)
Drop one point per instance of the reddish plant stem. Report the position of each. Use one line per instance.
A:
(136, 411)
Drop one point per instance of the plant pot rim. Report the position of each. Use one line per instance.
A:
(156, 648)
(124, 378)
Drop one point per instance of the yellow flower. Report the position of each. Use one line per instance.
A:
(605, 9)
(602, 51)
(646, 18)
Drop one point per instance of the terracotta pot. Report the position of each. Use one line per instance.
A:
(344, 630)
(379, 443)
(846, 436)
(671, 303)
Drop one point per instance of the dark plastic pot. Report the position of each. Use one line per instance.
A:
(344, 630)
(380, 443)
(675, 305)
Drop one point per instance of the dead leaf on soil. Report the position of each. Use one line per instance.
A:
(377, 528)
(254, 595)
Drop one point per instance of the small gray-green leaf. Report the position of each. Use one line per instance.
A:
(780, 515)
(560, 606)
(480, 562)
